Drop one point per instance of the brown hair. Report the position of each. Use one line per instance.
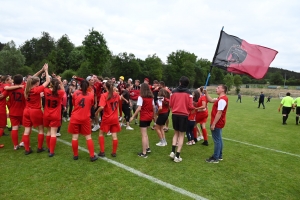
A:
(110, 89)
(30, 82)
(84, 85)
(54, 83)
(197, 94)
(164, 93)
(145, 91)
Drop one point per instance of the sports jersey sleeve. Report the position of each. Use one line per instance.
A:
(140, 101)
(102, 102)
(221, 104)
(38, 89)
(159, 102)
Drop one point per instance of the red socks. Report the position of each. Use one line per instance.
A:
(204, 132)
(26, 141)
(115, 145)
(48, 137)
(101, 143)
(53, 144)
(14, 137)
(75, 147)
(195, 130)
(40, 140)
(90, 146)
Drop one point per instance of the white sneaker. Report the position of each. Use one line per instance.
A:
(161, 144)
(96, 128)
(64, 119)
(109, 133)
(21, 144)
(166, 143)
(177, 159)
(172, 155)
(68, 119)
(120, 119)
(129, 128)
(58, 134)
(199, 138)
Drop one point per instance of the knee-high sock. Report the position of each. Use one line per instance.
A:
(297, 120)
(115, 146)
(48, 137)
(283, 119)
(40, 140)
(101, 143)
(75, 147)
(90, 145)
(14, 137)
(204, 132)
(195, 132)
(52, 144)
(26, 141)
(287, 116)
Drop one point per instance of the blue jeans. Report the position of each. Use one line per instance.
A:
(189, 131)
(218, 148)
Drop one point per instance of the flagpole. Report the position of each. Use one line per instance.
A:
(208, 75)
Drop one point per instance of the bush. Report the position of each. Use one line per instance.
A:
(68, 74)
(25, 70)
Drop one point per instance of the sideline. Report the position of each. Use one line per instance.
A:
(140, 174)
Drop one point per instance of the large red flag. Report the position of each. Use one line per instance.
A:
(238, 56)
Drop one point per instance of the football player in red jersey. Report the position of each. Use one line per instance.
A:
(16, 104)
(33, 115)
(109, 103)
(146, 108)
(202, 114)
(80, 123)
(52, 111)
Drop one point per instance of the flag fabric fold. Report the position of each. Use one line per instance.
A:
(238, 56)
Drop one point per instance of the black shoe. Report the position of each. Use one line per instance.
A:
(148, 150)
(94, 158)
(51, 154)
(28, 152)
(113, 154)
(9, 128)
(101, 154)
(264, 108)
(212, 160)
(205, 143)
(40, 150)
(4, 134)
(221, 158)
(284, 123)
(142, 155)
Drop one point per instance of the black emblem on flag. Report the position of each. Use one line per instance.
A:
(235, 55)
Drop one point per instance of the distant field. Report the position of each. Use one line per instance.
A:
(261, 161)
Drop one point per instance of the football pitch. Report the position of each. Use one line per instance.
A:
(261, 161)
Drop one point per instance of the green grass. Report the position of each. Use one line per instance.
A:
(247, 172)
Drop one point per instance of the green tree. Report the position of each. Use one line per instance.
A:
(228, 80)
(68, 74)
(25, 70)
(237, 80)
(276, 79)
(246, 80)
(11, 59)
(96, 51)
(64, 48)
(181, 63)
(76, 57)
(29, 50)
(84, 70)
(201, 69)
(152, 67)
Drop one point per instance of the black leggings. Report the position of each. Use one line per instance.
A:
(126, 111)
(70, 106)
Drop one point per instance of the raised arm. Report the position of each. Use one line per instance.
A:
(45, 84)
(41, 70)
(209, 99)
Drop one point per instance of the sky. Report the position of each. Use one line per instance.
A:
(160, 26)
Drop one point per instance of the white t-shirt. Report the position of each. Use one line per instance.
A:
(221, 104)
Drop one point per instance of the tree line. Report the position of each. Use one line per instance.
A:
(94, 56)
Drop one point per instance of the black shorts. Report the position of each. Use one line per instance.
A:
(162, 118)
(92, 112)
(145, 124)
(180, 122)
(286, 110)
(298, 111)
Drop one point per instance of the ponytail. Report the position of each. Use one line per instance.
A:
(55, 86)
(84, 85)
(110, 89)
(30, 82)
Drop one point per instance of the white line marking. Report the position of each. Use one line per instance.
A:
(140, 174)
(261, 147)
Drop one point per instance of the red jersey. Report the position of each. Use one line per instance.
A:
(34, 99)
(192, 116)
(3, 100)
(199, 104)
(146, 108)
(134, 94)
(215, 108)
(110, 111)
(82, 107)
(121, 87)
(16, 101)
(98, 86)
(181, 101)
(164, 103)
(52, 110)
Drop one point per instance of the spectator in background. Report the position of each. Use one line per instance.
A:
(286, 104)
(261, 100)
(239, 98)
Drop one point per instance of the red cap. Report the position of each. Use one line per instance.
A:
(146, 79)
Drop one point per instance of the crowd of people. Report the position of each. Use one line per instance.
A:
(104, 104)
